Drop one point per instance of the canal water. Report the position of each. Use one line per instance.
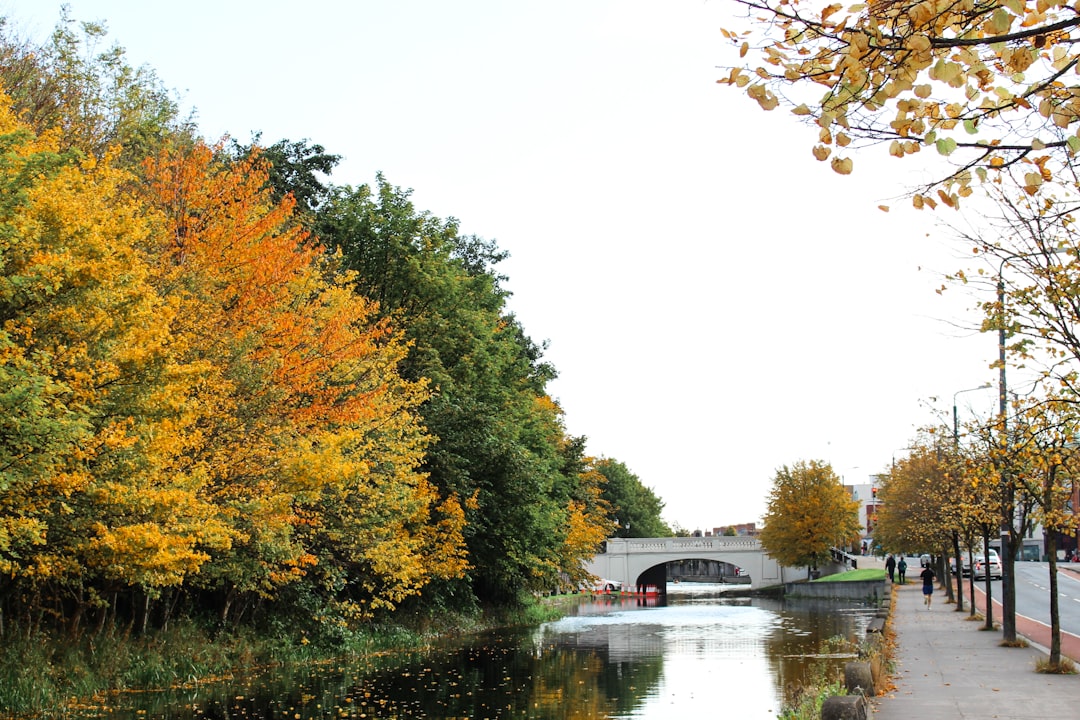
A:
(702, 653)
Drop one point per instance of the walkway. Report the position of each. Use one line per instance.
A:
(946, 667)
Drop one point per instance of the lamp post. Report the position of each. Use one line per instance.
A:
(1008, 501)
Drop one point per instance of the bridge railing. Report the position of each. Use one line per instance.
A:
(679, 544)
(845, 558)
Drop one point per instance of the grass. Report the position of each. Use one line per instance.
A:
(854, 576)
(1065, 667)
(803, 702)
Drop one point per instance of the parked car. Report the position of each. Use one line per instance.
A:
(924, 560)
(605, 585)
(987, 565)
(965, 565)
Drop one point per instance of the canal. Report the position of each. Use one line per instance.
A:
(702, 653)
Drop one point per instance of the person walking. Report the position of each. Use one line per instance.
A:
(901, 569)
(927, 576)
(890, 565)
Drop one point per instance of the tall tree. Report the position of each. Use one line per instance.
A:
(500, 441)
(1046, 440)
(808, 514)
(635, 508)
(307, 436)
(1030, 274)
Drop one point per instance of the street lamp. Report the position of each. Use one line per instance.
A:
(1008, 534)
(955, 419)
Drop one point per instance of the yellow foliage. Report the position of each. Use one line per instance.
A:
(966, 73)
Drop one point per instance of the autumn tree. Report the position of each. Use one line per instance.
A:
(923, 497)
(307, 437)
(1046, 441)
(1027, 273)
(987, 83)
(808, 514)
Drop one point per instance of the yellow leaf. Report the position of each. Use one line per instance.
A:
(842, 165)
(821, 152)
(829, 11)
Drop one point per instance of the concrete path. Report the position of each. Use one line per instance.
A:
(946, 667)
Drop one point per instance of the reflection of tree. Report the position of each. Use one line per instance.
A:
(599, 671)
(804, 624)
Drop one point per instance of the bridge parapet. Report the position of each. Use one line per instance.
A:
(680, 544)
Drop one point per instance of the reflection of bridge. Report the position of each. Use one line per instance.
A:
(642, 561)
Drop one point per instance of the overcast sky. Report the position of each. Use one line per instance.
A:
(717, 302)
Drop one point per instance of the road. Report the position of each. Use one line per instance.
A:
(1033, 594)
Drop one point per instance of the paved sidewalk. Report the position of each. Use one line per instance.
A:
(946, 667)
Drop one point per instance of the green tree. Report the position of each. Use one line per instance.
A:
(808, 514)
(499, 442)
(635, 508)
(93, 97)
(297, 168)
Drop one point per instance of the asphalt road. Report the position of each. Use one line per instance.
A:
(1033, 594)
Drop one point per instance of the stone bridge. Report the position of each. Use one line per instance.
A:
(641, 562)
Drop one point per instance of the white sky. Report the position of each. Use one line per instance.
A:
(718, 303)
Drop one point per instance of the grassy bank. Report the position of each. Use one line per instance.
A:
(854, 576)
(40, 675)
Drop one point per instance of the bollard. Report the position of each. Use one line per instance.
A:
(858, 678)
(844, 707)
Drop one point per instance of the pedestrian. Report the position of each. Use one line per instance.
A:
(890, 565)
(927, 576)
(901, 569)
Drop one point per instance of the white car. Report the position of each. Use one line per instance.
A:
(605, 585)
(982, 566)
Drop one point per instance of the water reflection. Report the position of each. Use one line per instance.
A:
(701, 653)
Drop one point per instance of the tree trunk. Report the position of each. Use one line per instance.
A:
(959, 572)
(1055, 618)
(945, 576)
(989, 597)
(145, 619)
(971, 579)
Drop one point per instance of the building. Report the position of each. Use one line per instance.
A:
(866, 495)
(742, 530)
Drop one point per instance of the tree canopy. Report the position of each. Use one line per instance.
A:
(809, 512)
(232, 387)
(635, 509)
(989, 83)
